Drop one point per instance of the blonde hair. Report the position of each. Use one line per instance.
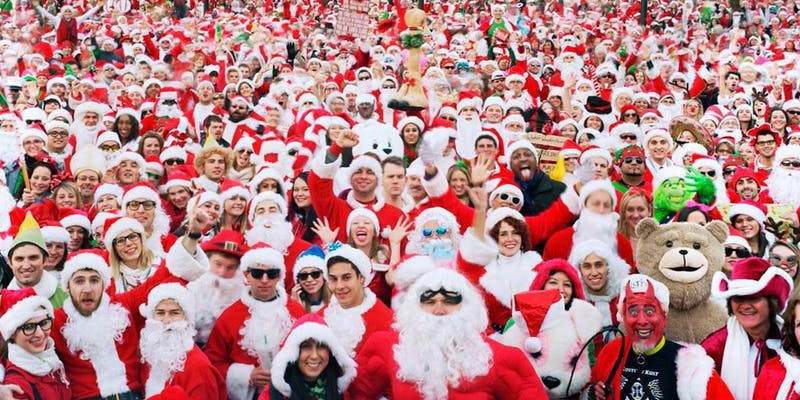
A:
(207, 152)
(623, 227)
(145, 259)
(71, 187)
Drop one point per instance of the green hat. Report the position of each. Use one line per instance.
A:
(28, 233)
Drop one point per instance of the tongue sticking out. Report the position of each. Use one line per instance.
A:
(526, 173)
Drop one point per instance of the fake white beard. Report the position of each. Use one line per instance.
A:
(214, 294)
(435, 352)
(164, 346)
(9, 148)
(278, 235)
(173, 111)
(667, 112)
(784, 185)
(266, 328)
(591, 225)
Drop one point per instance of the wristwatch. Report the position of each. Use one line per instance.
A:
(194, 235)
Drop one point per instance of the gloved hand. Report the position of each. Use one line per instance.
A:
(701, 185)
(429, 152)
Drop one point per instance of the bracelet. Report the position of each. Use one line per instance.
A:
(194, 235)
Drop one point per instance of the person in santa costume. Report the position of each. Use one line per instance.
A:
(32, 363)
(437, 349)
(222, 285)
(97, 334)
(169, 353)
(311, 364)
(365, 173)
(248, 334)
(756, 294)
(644, 364)
(779, 379)
(142, 202)
(354, 312)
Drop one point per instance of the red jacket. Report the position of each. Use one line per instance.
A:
(560, 246)
(511, 375)
(48, 386)
(773, 375)
(198, 378)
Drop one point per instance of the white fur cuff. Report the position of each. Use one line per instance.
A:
(238, 381)
(185, 266)
(480, 252)
(570, 199)
(437, 186)
(323, 169)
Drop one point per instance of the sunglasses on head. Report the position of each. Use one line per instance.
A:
(740, 253)
(440, 231)
(304, 275)
(787, 163)
(449, 297)
(507, 197)
(634, 160)
(258, 273)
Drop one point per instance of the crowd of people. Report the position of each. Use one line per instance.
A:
(218, 200)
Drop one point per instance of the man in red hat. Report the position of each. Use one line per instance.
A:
(765, 141)
(644, 365)
(632, 170)
(222, 285)
(745, 185)
(248, 333)
(756, 294)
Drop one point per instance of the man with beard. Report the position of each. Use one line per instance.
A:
(436, 349)
(238, 114)
(538, 190)
(354, 312)
(745, 185)
(784, 180)
(631, 169)
(9, 127)
(222, 285)
(96, 334)
(167, 346)
(249, 333)
(644, 365)
(597, 220)
(267, 217)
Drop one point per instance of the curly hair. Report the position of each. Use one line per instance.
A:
(519, 227)
(207, 152)
(789, 342)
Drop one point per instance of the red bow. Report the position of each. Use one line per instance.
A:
(62, 176)
(409, 81)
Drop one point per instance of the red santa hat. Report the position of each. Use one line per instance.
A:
(172, 153)
(227, 241)
(411, 120)
(498, 214)
(263, 196)
(753, 277)
(18, 306)
(645, 286)
(262, 254)
(53, 232)
(169, 291)
(594, 151)
(92, 259)
(570, 149)
(177, 178)
(200, 199)
(268, 173)
(134, 157)
(311, 326)
(140, 190)
(538, 310)
(356, 257)
(104, 136)
(153, 163)
(230, 188)
(521, 144)
(107, 188)
(113, 227)
(73, 217)
(546, 269)
(365, 161)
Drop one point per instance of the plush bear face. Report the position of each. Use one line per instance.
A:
(379, 140)
(684, 256)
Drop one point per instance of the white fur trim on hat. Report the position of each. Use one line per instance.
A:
(639, 283)
(266, 195)
(498, 214)
(472, 304)
(266, 256)
(355, 256)
(365, 162)
(107, 136)
(141, 192)
(267, 173)
(618, 269)
(658, 132)
(309, 261)
(438, 214)
(200, 199)
(366, 213)
(595, 152)
(56, 124)
(408, 271)
(596, 185)
(673, 171)
(121, 225)
(739, 241)
(233, 192)
(23, 310)
(411, 120)
(83, 261)
(749, 210)
(787, 151)
(108, 188)
(76, 220)
(365, 98)
(521, 144)
(55, 234)
(493, 101)
(165, 291)
(26, 133)
(131, 156)
(746, 287)
(172, 152)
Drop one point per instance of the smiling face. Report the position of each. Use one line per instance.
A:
(364, 182)
(27, 264)
(313, 359)
(645, 321)
(36, 343)
(636, 210)
(559, 280)
(346, 284)
(658, 147)
(747, 225)
(310, 284)
(509, 241)
(40, 180)
(362, 231)
(751, 312)
(594, 273)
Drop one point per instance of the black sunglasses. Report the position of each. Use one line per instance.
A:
(787, 163)
(304, 275)
(514, 199)
(729, 171)
(628, 115)
(258, 273)
(634, 160)
(627, 137)
(740, 253)
(174, 161)
(793, 112)
(450, 67)
(709, 174)
(449, 297)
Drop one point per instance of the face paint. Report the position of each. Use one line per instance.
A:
(644, 320)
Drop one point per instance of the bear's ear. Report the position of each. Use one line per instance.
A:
(718, 229)
(645, 227)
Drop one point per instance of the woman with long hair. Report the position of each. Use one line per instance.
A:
(778, 379)
(234, 197)
(310, 277)
(635, 205)
(67, 195)
(130, 260)
(301, 213)
(126, 126)
(748, 218)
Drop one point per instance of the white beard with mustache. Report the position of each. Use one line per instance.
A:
(164, 347)
(272, 230)
(784, 185)
(172, 111)
(214, 294)
(9, 149)
(591, 225)
(468, 131)
(436, 352)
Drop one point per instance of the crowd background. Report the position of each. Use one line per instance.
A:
(307, 187)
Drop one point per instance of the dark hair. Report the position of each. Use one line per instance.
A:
(729, 73)
(134, 129)
(789, 342)
(340, 259)
(148, 135)
(394, 160)
(211, 119)
(306, 216)
(297, 381)
(774, 310)
(519, 227)
(683, 215)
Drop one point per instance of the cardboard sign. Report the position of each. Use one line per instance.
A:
(501, 36)
(549, 147)
(352, 20)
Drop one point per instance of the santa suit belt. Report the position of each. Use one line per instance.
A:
(130, 395)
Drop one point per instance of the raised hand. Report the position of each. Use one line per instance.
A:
(323, 229)
(481, 170)
(401, 230)
(347, 139)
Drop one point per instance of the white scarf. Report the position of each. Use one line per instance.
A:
(41, 364)
(791, 382)
(46, 287)
(738, 349)
(131, 278)
(266, 328)
(507, 276)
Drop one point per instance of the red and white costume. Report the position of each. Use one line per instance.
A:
(779, 379)
(353, 326)
(198, 378)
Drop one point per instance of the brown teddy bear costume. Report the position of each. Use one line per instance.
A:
(684, 256)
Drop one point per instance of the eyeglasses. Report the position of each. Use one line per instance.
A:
(60, 134)
(787, 163)
(729, 171)
(630, 115)
(174, 161)
(242, 151)
(304, 275)
(740, 252)
(30, 329)
(148, 205)
(449, 118)
(109, 147)
(766, 143)
(776, 260)
(440, 231)
(710, 173)
(507, 197)
(121, 241)
(258, 273)
(32, 121)
(634, 160)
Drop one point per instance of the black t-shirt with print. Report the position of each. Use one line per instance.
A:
(652, 377)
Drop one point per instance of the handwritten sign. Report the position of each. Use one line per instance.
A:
(352, 19)
(549, 147)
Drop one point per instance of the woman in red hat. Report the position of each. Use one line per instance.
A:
(756, 293)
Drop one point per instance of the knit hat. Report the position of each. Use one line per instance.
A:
(18, 306)
(597, 185)
(642, 285)
(28, 233)
(313, 257)
(165, 291)
(262, 254)
(92, 259)
(356, 257)
(754, 277)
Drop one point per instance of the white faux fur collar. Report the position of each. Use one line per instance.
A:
(252, 303)
(46, 287)
(379, 202)
(366, 305)
(507, 276)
